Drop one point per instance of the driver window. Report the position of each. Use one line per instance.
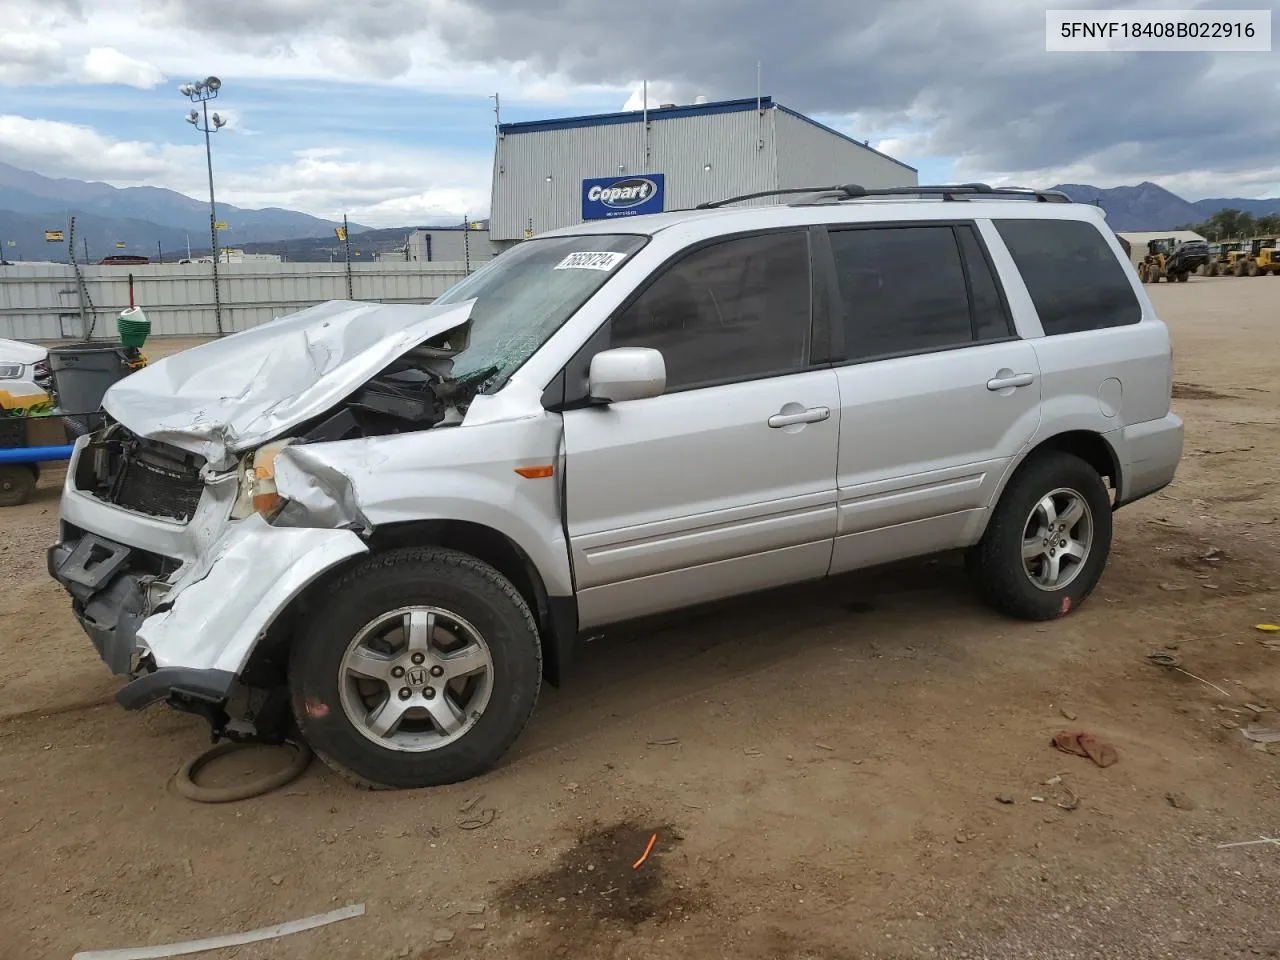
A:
(737, 310)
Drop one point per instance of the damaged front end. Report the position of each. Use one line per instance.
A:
(173, 592)
(172, 545)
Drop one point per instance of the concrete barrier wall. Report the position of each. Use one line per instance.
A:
(40, 301)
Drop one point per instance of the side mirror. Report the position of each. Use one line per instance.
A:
(627, 373)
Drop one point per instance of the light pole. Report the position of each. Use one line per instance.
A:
(201, 92)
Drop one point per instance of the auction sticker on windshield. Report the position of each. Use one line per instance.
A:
(591, 261)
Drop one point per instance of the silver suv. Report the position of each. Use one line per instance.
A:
(386, 524)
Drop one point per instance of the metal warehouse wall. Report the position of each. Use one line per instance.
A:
(40, 302)
(680, 147)
(810, 156)
(447, 246)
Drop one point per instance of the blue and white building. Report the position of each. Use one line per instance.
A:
(556, 173)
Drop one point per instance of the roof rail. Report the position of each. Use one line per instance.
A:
(854, 191)
(712, 204)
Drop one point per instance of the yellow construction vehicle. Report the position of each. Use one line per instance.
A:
(1224, 257)
(1261, 257)
(1151, 267)
(1173, 260)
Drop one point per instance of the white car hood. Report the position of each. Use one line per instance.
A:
(18, 351)
(236, 393)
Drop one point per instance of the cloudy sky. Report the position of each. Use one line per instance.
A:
(380, 108)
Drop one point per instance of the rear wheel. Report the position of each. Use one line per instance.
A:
(17, 482)
(1182, 277)
(1252, 269)
(1239, 268)
(421, 668)
(1047, 541)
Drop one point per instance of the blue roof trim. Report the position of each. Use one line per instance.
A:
(836, 133)
(637, 116)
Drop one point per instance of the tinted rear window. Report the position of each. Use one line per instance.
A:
(1072, 274)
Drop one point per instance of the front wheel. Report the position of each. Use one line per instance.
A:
(1047, 540)
(420, 668)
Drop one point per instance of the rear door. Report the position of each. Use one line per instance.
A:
(726, 483)
(937, 391)
(1104, 358)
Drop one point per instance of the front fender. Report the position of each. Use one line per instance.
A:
(256, 570)
(465, 473)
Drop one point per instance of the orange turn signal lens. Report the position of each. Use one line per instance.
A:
(266, 502)
(536, 473)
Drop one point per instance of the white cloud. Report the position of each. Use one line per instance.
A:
(387, 186)
(659, 93)
(384, 187)
(57, 149)
(109, 65)
(1123, 166)
(30, 58)
(373, 43)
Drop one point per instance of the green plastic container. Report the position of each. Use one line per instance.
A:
(134, 327)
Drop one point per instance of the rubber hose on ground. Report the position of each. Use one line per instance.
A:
(184, 780)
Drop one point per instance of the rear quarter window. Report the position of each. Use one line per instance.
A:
(1072, 274)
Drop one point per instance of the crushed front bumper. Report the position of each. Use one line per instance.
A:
(109, 600)
(183, 627)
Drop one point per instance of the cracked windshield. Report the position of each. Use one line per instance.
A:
(524, 296)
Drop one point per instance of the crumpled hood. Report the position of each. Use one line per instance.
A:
(236, 393)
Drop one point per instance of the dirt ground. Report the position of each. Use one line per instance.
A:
(824, 767)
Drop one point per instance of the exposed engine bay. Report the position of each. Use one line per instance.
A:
(142, 475)
(416, 392)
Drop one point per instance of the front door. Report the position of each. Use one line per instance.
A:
(725, 484)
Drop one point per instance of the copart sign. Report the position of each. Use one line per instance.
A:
(606, 197)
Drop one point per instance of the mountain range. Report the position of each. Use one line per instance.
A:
(151, 220)
(1150, 207)
(137, 217)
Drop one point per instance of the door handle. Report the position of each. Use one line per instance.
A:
(1017, 380)
(812, 415)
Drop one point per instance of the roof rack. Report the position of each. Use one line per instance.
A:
(854, 191)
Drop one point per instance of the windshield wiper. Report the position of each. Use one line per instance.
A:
(455, 390)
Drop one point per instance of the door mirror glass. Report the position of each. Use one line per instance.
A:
(627, 373)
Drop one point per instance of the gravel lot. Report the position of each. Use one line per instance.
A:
(821, 765)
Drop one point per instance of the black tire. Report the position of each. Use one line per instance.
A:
(17, 482)
(996, 564)
(426, 576)
(1182, 277)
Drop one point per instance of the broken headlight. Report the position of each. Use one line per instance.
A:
(257, 472)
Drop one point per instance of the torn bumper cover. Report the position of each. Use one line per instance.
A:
(191, 637)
